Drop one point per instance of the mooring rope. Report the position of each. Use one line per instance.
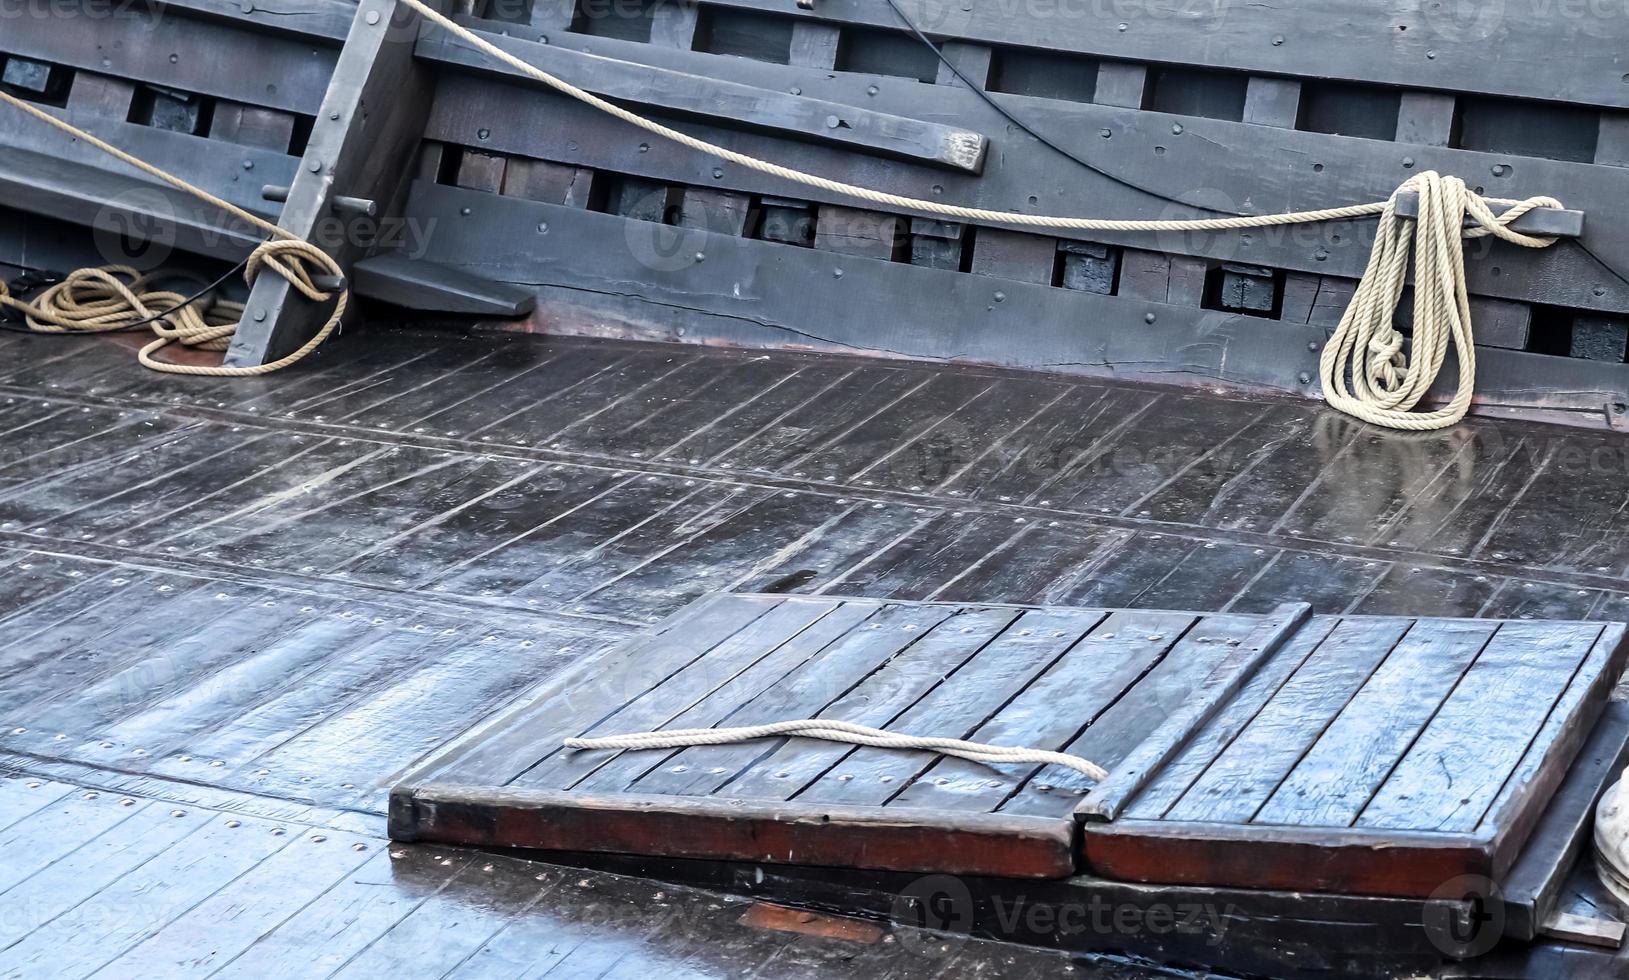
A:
(117, 297)
(841, 731)
(1385, 383)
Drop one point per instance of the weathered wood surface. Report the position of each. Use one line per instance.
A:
(950, 315)
(128, 885)
(1414, 729)
(1006, 846)
(1237, 167)
(610, 477)
(1407, 799)
(181, 53)
(854, 128)
(1399, 44)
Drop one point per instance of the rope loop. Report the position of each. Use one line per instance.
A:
(1364, 369)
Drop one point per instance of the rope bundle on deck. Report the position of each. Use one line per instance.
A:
(117, 297)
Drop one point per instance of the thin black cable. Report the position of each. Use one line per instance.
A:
(6, 324)
(1046, 141)
(1008, 115)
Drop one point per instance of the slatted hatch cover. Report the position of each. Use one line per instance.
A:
(1220, 732)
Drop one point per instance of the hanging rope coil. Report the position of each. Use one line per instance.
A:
(118, 297)
(1363, 369)
(842, 731)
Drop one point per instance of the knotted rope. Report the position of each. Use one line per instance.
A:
(1385, 384)
(842, 731)
(116, 297)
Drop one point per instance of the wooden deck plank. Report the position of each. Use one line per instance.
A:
(1461, 760)
(469, 385)
(22, 796)
(588, 506)
(631, 527)
(1179, 774)
(1157, 696)
(741, 422)
(597, 772)
(833, 548)
(348, 674)
(216, 930)
(833, 410)
(323, 936)
(95, 863)
(490, 515)
(136, 634)
(123, 685)
(258, 675)
(962, 703)
(1246, 773)
(808, 691)
(146, 899)
(540, 393)
(452, 922)
(1356, 750)
(919, 564)
(932, 652)
(1048, 443)
(1090, 676)
(668, 697)
(667, 429)
(576, 699)
(724, 551)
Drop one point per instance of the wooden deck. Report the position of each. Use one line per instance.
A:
(442, 523)
(1353, 755)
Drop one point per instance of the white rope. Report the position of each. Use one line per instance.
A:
(842, 731)
(1385, 383)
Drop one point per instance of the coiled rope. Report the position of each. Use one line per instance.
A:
(841, 731)
(117, 297)
(1385, 383)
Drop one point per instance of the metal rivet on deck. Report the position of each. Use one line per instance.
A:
(278, 831)
(178, 813)
(359, 846)
(317, 838)
(127, 801)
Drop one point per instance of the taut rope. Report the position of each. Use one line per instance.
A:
(841, 731)
(1385, 383)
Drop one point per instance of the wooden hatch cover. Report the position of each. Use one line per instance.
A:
(1361, 754)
